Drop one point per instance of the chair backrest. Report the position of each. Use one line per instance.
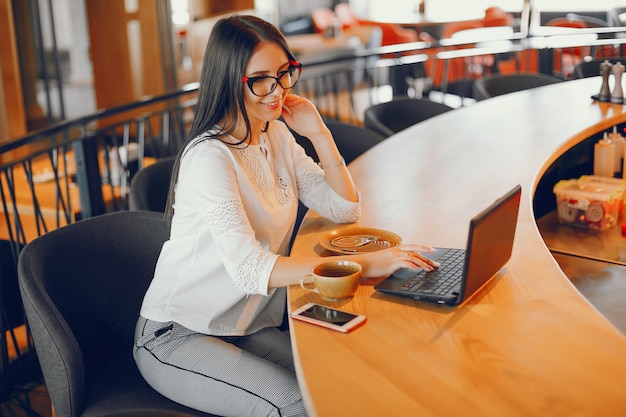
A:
(567, 23)
(351, 140)
(392, 33)
(499, 84)
(82, 286)
(322, 18)
(401, 112)
(588, 21)
(451, 28)
(346, 16)
(496, 16)
(617, 16)
(150, 186)
(592, 68)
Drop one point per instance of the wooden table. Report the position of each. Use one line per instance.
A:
(528, 344)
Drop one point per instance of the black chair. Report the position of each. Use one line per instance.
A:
(351, 140)
(592, 68)
(150, 186)
(589, 21)
(497, 85)
(82, 286)
(398, 114)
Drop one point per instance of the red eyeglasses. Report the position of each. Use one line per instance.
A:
(265, 84)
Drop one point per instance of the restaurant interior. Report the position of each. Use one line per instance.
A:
(97, 99)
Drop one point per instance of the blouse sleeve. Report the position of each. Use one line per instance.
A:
(207, 183)
(316, 193)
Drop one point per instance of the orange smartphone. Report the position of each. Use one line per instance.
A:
(330, 318)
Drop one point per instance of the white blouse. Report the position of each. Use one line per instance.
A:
(234, 213)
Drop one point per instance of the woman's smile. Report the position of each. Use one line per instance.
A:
(272, 105)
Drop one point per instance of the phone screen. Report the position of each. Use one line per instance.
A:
(327, 314)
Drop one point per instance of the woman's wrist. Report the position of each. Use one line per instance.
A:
(340, 163)
(322, 135)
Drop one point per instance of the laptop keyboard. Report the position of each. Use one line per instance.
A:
(442, 279)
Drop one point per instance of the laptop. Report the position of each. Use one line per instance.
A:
(463, 271)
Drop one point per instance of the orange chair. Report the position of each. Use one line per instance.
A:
(346, 16)
(457, 70)
(565, 59)
(495, 16)
(323, 18)
(393, 34)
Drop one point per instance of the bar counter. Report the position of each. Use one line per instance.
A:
(528, 344)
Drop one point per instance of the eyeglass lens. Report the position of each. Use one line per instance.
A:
(265, 85)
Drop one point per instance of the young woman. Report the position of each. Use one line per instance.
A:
(208, 335)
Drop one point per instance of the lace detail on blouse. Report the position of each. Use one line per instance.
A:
(265, 181)
(248, 271)
(285, 194)
(309, 179)
(344, 215)
(228, 215)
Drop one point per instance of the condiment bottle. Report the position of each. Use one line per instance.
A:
(604, 157)
(620, 146)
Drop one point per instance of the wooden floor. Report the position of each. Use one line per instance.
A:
(32, 403)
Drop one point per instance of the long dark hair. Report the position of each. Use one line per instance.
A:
(220, 95)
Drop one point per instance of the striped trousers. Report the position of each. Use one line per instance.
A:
(228, 376)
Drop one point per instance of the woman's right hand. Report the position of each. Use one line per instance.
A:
(385, 262)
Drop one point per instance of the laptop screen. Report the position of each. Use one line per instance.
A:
(490, 240)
